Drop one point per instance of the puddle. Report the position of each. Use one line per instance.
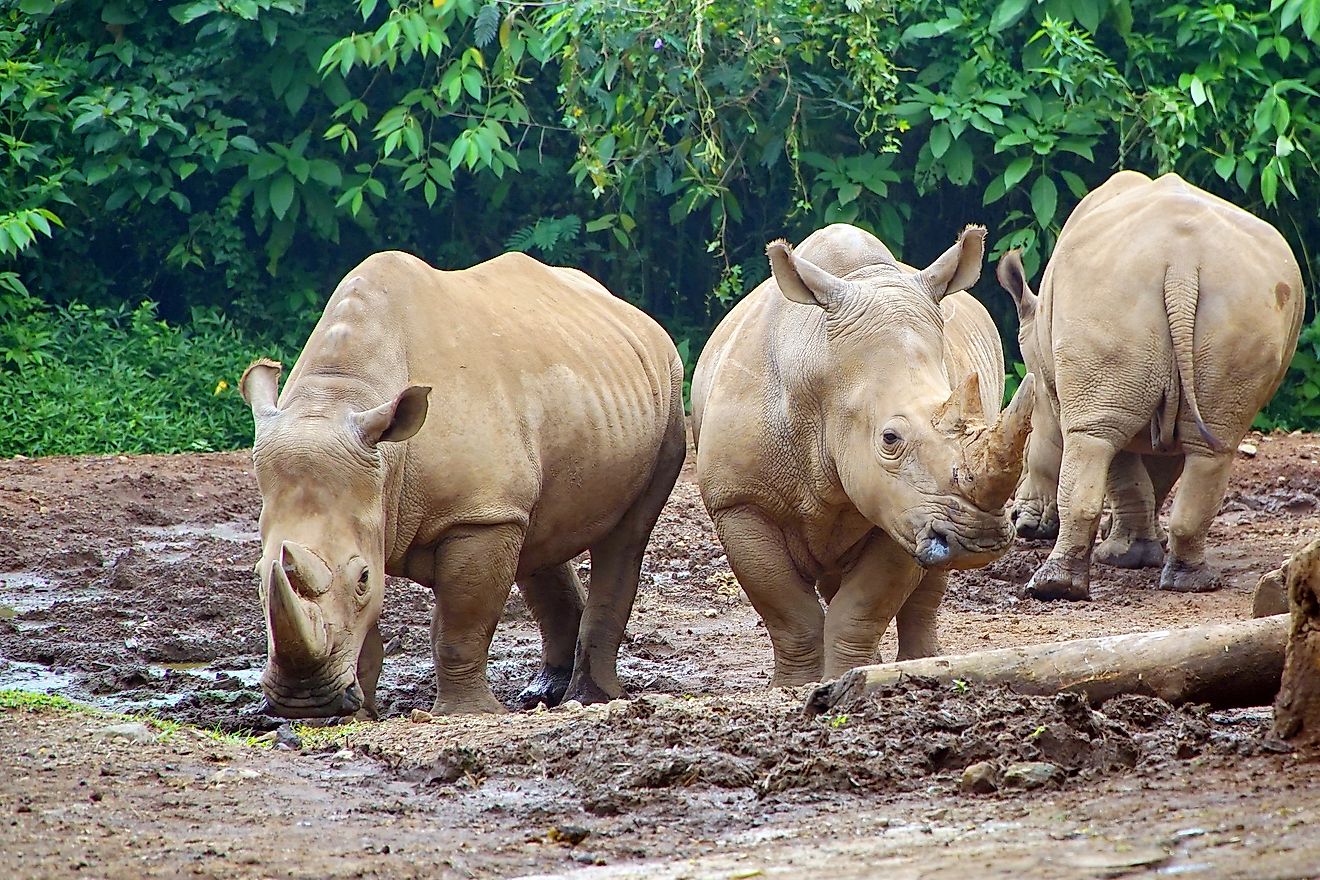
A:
(24, 591)
(238, 532)
(15, 675)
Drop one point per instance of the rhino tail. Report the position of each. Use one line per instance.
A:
(1182, 290)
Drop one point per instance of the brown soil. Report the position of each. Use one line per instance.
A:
(126, 583)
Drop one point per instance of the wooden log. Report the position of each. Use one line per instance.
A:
(1297, 709)
(1225, 665)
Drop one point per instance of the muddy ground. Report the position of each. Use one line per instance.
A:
(126, 583)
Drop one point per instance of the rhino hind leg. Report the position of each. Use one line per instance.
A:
(474, 574)
(555, 598)
(370, 660)
(1134, 539)
(1205, 478)
(1066, 574)
(785, 600)
(616, 565)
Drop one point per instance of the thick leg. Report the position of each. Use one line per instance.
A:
(1134, 539)
(474, 573)
(785, 600)
(370, 660)
(870, 594)
(616, 564)
(1197, 502)
(1035, 510)
(556, 599)
(917, 636)
(1164, 471)
(1066, 574)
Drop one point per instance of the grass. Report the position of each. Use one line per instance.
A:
(27, 701)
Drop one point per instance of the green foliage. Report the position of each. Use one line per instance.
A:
(1297, 404)
(84, 380)
(243, 155)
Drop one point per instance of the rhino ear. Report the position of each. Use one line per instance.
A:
(259, 387)
(1013, 278)
(802, 281)
(958, 267)
(397, 420)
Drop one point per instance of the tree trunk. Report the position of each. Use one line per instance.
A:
(1297, 709)
(1225, 665)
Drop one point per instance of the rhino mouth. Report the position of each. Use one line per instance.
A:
(318, 696)
(954, 538)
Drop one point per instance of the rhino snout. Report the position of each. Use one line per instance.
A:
(933, 548)
(321, 696)
(962, 540)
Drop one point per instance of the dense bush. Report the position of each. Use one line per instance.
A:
(242, 155)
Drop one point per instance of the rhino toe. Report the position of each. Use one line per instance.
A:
(1185, 577)
(1057, 580)
(1141, 553)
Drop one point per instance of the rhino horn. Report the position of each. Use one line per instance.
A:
(962, 407)
(995, 455)
(297, 634)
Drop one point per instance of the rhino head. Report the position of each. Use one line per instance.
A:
(322, 476)
(915, 456)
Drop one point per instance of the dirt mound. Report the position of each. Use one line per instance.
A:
(918, 736)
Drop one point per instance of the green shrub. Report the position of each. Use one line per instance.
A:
(1297, 405)
(79, 380)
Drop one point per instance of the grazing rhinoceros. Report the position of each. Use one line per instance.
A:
(1166, 319)
(842, 455)
(555, 426)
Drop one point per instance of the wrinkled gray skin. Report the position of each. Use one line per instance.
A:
(837, 460)
(554, 425)
(1166, 319)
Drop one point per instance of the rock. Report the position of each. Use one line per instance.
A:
(1032, 774)
(232, 774)
(1271, 596)
(568, 834)
(132, 731)
(710, 613)
(420, 716)
(1247, 449)
(979, 778)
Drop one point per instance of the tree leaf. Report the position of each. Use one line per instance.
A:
(486, 25)
(1007, 13)
(1016, 170)
(1044, 200)
(940, 138)
(281, 195)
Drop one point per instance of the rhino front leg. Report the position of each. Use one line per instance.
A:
(370, 660)
(1133, 540)
(555, 597)
(1066, 574)
(870, 594)
(917, 635)
(1205, 478)
(474, 573)
(786, 601)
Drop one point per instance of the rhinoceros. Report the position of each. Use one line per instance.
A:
(554, 425)
(843, 450)
(1166, 319)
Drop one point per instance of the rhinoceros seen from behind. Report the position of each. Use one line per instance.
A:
(554, 425)
(1166, 319)
(838, 456)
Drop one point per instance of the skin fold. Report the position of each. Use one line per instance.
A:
(848, 448)
(467, 430)
(1166, 319)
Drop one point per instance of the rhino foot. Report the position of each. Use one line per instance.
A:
(1141, 553)
(469, 704)
(548, 687)
(1182, 577)
(1056, 579)
(586, 691)
(1034, 520)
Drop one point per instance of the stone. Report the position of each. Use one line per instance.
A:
(132, 731)
(979, 778)
(420, 716)
(1032, 774)
(1247, 449)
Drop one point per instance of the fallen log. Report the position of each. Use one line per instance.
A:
(1297, 709)
(1225, 665)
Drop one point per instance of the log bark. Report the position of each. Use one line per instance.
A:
(1225, 665)
(1297, 709)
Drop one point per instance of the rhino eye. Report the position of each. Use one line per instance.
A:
(363, 580)
(890, 438)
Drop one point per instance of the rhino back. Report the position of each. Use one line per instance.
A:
(550, 395)
(1103, 297)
